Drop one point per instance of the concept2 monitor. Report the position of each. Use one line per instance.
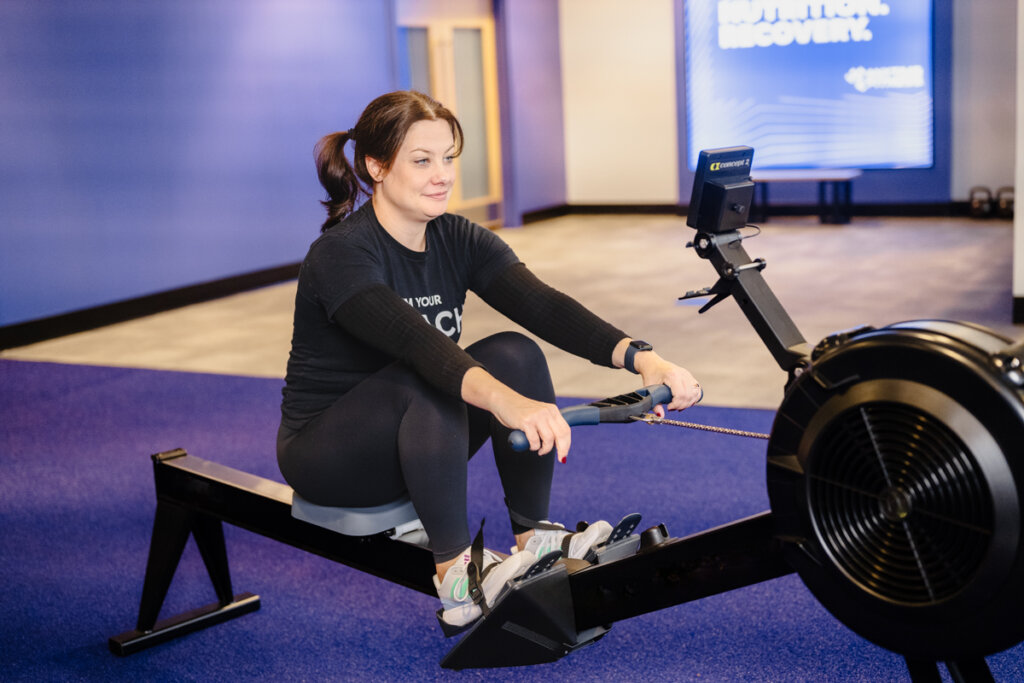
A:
(722, 190)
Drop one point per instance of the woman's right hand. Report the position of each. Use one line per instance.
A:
(542, 423)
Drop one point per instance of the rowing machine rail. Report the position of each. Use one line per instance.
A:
(194, 497)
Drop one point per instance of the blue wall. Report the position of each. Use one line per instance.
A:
(146, 146)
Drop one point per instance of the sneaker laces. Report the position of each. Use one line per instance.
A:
(547, 539)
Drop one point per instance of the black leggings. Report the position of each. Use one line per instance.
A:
(394, 433)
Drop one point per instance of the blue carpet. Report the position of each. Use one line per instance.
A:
(76, 509)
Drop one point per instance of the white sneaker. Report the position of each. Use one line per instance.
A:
(457, 607)
(575, 545)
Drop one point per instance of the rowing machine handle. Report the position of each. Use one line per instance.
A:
(615, 409)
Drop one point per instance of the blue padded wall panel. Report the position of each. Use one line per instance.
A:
(150, 146)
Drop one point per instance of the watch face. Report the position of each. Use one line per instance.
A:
(641, 345)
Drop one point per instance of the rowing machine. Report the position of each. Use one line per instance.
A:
(892, 463)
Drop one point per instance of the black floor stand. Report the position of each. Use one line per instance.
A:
(171, 529)
(963, 671)
(195, 497)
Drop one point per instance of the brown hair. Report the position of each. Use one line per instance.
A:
(378, 134)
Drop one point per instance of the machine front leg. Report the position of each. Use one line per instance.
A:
(961, 671)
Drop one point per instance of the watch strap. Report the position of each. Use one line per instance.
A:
(634, 348)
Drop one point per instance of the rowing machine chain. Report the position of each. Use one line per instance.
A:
(652, 419)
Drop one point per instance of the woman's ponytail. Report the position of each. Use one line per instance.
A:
(337, 177)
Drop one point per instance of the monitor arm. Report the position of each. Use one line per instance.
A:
(740, 277)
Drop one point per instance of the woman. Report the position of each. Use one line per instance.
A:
(379, 397)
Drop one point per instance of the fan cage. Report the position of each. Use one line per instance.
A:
(899, 503)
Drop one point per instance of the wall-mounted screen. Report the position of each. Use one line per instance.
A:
(811, 83)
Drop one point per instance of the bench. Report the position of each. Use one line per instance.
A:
(838, 180)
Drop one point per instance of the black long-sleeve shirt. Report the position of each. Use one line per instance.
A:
(364, 300)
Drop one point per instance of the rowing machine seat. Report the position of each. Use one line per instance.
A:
(397, 518)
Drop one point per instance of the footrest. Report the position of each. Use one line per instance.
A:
(621, 543)
(532, 623)
(398, 515)
(541, 565)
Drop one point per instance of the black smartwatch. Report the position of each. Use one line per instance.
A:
(635, 347)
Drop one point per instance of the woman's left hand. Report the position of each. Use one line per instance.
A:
(654, 369)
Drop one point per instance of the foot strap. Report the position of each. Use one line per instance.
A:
(475, 571)
(546, 526)
(523, 520)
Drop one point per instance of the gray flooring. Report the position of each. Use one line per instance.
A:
(631, 269)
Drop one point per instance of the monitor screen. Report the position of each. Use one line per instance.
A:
(812, 83)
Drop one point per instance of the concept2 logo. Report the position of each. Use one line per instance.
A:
(726, 165)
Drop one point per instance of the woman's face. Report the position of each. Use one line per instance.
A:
(418, 185)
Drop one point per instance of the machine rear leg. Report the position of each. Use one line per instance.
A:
(171, 529)
(209, 535)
